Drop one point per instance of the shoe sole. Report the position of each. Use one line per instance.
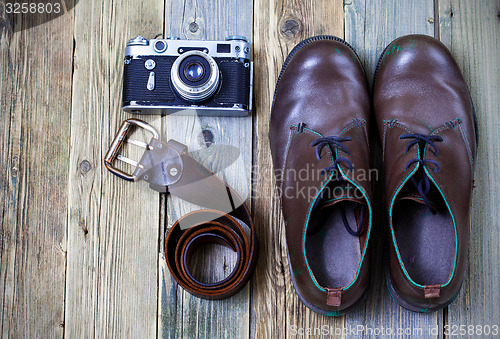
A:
(403, 303)
(285, 64)
(322, 311)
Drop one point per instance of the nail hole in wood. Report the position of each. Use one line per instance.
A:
(84, 228)
(14, 169)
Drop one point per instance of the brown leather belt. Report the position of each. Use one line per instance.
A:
(225, 221)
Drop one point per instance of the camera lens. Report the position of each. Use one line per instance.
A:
(195, 76)
(194, 71)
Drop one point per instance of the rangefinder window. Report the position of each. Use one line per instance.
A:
(223, 48)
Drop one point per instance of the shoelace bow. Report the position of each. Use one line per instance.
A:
(338, 142)
(423, 185)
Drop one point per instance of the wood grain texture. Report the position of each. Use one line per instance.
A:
(35, 102)
(111, 282)
(229, 155)
(81, 251)
(278, 27)
(369, 27)
(471, 30)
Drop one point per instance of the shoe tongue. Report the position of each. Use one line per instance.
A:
(332, 195)
(412, 194)
(341, 192)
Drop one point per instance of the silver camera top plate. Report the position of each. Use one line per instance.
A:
(236, 48)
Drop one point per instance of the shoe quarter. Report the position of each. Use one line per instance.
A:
(455, 175)
(396, 158)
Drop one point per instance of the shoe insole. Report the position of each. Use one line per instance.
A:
(426, 241)
(332, 253)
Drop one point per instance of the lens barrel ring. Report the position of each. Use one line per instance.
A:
(195, 90)
(191, 62)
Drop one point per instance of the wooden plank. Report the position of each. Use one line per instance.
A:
(370, 26)
(112, 227)
(35, 101)
(471, 30)
(229, 154)
(111, 283)
(279, 26)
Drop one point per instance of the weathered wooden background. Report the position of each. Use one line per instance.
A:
(81, 250)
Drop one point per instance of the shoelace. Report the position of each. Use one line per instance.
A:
(423, 185)
(338, 142)
(333, 141)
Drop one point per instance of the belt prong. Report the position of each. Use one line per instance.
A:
(128, 161)
(138, 143)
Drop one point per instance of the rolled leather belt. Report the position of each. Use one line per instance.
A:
(225, 221)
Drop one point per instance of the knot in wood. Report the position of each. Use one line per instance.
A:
(193, 27)
(290, 27)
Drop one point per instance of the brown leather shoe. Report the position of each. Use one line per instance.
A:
(319, 144)
(427, 124)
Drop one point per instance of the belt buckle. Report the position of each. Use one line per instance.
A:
(117, 143)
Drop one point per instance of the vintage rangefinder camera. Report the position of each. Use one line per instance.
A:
(165, 76)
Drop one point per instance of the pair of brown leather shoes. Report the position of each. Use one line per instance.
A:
(320, 146)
